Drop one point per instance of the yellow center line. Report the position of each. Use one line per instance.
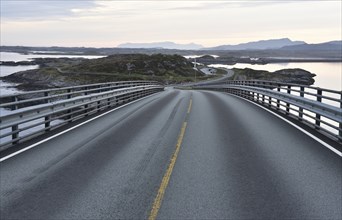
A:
(190, 105)
(166, 178)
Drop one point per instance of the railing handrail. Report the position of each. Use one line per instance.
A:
(58, 95)
(52, 111)
(271, 83)
(52, 105)
(330, 111)
(17, 100)
(296, 103)
(76, 87)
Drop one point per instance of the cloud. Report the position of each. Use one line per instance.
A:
(43, 9)
(107, 23)
(56, 9)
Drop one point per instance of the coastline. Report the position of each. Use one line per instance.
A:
(28, 83)
(265, 61)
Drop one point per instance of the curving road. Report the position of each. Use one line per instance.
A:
(235, 161)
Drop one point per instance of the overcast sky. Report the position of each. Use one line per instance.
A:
(109, 23)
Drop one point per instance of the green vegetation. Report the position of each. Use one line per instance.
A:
(59, 72)
(158, 67)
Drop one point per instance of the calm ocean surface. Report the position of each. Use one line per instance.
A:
(6, 56)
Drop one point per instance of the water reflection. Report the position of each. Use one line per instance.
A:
(8, 70)
(7, 56)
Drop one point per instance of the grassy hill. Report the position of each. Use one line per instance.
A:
(137, 64)
(59, 72)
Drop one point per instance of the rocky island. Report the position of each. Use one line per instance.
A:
(168, 69)
(295, 76)
(60, 72)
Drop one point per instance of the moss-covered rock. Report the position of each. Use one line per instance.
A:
(297, 76)
(142, 64)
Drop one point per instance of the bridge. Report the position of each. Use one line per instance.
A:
(138, 150)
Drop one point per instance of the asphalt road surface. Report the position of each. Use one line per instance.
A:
(179, 155)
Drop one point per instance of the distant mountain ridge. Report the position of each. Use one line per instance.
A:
(331, 45)
(338, 42)
(259, 45)
(162, 45)
(326, 49)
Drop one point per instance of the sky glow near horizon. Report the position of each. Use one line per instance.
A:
(210, 23)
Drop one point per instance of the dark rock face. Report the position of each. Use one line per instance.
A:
(296, 76)
(39, 79)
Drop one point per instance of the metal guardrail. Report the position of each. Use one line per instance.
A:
(316, 107)
(34, 113)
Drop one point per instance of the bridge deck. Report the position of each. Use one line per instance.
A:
(236, 161)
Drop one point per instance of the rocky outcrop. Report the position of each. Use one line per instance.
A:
(141, 64)
(40, 79)
(296, 76)
(60, 72)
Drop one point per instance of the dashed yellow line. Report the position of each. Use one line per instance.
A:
(166, 178)
(190, 105)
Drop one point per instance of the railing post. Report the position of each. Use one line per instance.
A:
(98, 105)
(69, 95)
(257, 99)
(318, 116)
(301, 109)
(263, 96)
(69, 111)
(288, 104)
(15, 135)
(47, 118)
(340, 125)
(269, 101)
(278, 101)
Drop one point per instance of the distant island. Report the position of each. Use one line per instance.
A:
(259, 45)
(168, 69)
(165, 62)
(61, 72)
(295, 76)
(258, 52)
(162, 45)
